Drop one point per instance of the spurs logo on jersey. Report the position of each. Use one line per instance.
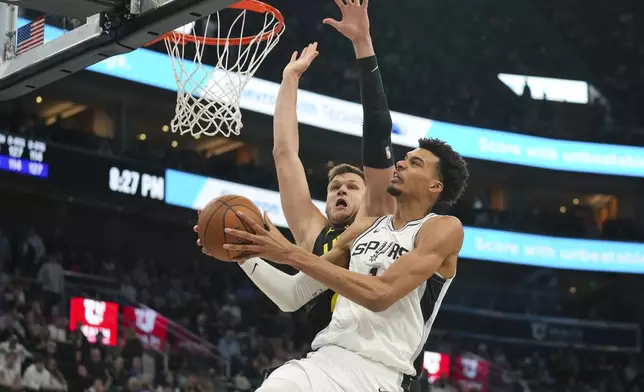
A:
(376, 248)
(396, 336)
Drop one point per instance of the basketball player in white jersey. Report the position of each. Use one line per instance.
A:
(391, 272)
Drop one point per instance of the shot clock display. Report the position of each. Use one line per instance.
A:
(24, 156)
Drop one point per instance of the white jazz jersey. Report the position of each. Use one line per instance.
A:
(396, 336)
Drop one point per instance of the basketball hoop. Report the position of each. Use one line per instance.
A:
(208, 97)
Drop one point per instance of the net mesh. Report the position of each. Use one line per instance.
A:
(208, 97)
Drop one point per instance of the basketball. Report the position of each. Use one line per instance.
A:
(221, 214)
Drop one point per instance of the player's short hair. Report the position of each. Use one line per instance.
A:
(452, 169)
(344, 168)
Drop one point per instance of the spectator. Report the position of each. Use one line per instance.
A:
(12, 346)
(229, 346)
(128, 289)
(58, 330)
(118, 373)
(11, 327)
(10, 371)
(231, 311)
(133, 385)
(96, 367)
(81, 379)
(51, 277)
(241, 383)
(14, 295)
(36, 376)
(133, 347)
(57, 380)
(137, 367)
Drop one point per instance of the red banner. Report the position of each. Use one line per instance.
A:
(150, 326)
(437, 365)
(94, 317)
(470, 372)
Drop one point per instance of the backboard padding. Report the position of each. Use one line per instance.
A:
(94, 42)
(80, 9)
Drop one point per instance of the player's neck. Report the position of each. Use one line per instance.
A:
(409, 210)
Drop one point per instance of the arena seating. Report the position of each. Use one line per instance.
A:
(217, 304)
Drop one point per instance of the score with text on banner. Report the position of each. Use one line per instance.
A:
(132, 182)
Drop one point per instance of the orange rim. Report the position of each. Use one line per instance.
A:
(248, 5)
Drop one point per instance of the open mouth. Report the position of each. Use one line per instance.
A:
(341, 203)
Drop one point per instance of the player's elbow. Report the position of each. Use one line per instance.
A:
(289, 307)
(378, 302)
(283, 151)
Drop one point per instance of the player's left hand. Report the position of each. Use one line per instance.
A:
(267, 243)
(355, 19)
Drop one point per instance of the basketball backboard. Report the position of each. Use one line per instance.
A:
(111, 27)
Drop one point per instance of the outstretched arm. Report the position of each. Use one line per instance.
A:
(377, 154)
(303, 217)
(438, 242)
(437, 245)
(291, 292)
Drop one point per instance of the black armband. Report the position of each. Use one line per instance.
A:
(377, 124)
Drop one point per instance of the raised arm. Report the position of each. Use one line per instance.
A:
(303, 217)
(377, 154)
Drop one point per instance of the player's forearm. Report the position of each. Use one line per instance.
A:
(367, 291)
(288, 292)
(377, 154)
(377, 123)
(285, 130)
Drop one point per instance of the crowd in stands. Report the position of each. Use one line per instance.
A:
(447, 72)
(442, 63)
(217, 303)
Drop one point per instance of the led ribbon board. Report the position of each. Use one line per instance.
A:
(195, 191)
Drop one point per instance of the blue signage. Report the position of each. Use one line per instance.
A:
(155, 69)
(195, 191)
(24, 166)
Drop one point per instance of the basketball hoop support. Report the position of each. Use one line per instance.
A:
(95, 41)
(8, 18)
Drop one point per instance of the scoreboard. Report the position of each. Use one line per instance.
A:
(80, 172)
(23, 156)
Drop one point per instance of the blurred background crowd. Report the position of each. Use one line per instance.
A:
(71, 259)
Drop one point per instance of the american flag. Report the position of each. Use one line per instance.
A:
(31, 35)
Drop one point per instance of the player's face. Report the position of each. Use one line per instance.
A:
(417, 176)
(344, 197)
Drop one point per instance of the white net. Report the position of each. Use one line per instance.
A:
(208, 96)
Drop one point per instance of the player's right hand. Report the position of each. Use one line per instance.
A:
(297, 66)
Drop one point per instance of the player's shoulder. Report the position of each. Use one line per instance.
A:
(450, 227)
(446, 221)
(362, 224)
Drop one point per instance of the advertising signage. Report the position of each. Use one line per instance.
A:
(194, 191)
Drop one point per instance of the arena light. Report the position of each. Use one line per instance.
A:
(548, 89)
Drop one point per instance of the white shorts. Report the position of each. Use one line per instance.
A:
(333, 369)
